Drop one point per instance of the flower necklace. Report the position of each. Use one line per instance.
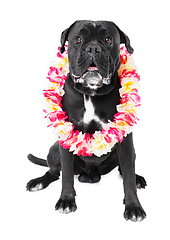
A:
(101, 142)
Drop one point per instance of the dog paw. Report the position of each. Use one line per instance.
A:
(34, 185)
(140, 182)
(134, 213)
(66, 205)
(41, 182)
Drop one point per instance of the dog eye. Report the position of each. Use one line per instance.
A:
(78, 40)
(108, 40)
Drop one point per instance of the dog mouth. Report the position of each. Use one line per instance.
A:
(92, 78)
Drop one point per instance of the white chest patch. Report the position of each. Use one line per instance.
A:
(89, 113)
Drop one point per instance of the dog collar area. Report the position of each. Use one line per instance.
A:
(101, 142)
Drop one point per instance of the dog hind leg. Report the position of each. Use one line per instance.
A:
(140, 181)
(41, 182)
(53, 161)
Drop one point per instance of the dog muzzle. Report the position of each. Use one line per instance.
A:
(92, 78)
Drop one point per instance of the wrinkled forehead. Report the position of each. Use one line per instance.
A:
(94, 28)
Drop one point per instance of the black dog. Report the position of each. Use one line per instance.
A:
(90, 100)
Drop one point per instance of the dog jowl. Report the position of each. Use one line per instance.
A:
(90, 100)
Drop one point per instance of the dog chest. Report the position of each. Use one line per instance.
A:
(89, 113)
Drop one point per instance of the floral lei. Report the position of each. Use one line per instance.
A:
(101, 142)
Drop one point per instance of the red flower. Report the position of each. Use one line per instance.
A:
(57, 115)
(129, 73)
(123, 59)
(129, 118)
(55, 75)
(53, 96)
(127, 97)
(53, 70)
(118, 133)
(72, 138)
(83, 152)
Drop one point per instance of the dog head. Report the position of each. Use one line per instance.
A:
(94, 54)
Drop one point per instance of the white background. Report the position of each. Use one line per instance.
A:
(30, 33)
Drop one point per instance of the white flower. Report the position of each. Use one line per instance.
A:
(99, 145)
(63, 129)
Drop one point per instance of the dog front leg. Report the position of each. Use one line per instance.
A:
(126, 154)
(66, 203)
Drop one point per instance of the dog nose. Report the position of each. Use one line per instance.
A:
(93, 49)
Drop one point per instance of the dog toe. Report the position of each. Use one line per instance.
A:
(34, 185)
(66, 205)
(37, 187)
(134, 213)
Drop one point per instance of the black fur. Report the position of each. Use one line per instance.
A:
(93, 49)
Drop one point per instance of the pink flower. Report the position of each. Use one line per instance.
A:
(126, 73)
(45, 111)
(118, 133)
(55, 75)
(53, 96)
(108, 138)
(131, 97)
(61, 115)
(123, 59)
(71, 138)
(53, 72)
(52, 116)
(58, 79)
(66, 46)
(124, 51)
(129, 118)
(60, 55)
(84, 146)
(84, 151)
(57, 115)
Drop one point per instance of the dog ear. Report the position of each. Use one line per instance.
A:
(64, 38)
(124, 39)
